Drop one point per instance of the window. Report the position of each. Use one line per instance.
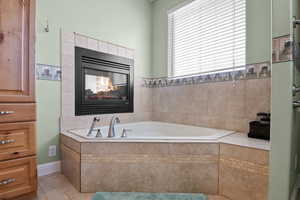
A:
(207, 36)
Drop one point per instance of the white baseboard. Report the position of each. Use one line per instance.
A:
(49, 168)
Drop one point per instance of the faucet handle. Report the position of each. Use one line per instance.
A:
(99, 134)
(96, 119)
(124, 133)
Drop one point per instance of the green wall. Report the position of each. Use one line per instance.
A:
(258, 31)
(160, 35)
(122, 22)
(258, 24)
(285, 127)
(48, 112)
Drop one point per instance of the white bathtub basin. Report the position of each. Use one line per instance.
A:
(150, 130)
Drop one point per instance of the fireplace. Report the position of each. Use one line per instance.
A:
(103, 83)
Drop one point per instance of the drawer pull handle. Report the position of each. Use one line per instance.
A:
(7, 181)
(7, 141)
(6, 112)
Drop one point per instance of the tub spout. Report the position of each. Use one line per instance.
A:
(113, 121)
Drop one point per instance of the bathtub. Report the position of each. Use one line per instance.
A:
(150, 130)
(156, 157)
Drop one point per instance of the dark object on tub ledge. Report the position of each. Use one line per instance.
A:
(260, 128)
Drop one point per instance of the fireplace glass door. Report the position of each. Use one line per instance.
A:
(103, 83)
(105, 87)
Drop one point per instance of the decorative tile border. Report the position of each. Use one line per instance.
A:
(48, 72)
(245, 166)
(282, 49)
(148, 158)
(251, 71)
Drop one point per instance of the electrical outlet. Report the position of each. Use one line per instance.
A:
(52, 151)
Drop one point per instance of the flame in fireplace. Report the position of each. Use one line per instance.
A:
(104, 84)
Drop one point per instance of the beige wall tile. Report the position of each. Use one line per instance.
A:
(67, 48)
(257, 156)
(149, 167)
(202, 120)
(224, 105)
(243, 172)
(67, 37)
(149, 178)
(200, 97)
(236, 100)
(194, 178)
(194, 149)
(129, 53)
(71, 166)
(102, 46)
(81, 41)
(124, 148)
(121, 51)
(68, 60)
(92, 44)
(218, 96)
(257, 97)
(237, 124)
(112, 49)
(237, 184)
(70, 143)
(218, 122)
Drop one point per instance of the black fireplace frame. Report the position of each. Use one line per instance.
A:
(89, 59)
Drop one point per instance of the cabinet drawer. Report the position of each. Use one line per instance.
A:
(17, 177)
(17, 112)
(17, 140)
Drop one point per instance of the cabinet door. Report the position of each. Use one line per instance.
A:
(17, 30)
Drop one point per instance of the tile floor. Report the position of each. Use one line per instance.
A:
(57, 187)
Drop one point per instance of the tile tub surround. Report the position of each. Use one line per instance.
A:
(166, 167)
(224, 105)
(142, 96)
(243, 173)
(145, 167)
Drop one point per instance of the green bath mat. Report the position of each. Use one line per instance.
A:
(147, 196)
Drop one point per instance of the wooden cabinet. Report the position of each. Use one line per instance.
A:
(17, 177)
(17, 99)
(17, 30)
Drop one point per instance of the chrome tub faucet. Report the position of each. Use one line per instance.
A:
(113, 121)
(95, 120)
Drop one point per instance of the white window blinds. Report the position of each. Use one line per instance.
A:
(206, 36)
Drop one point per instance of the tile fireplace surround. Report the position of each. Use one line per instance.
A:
(142, 95)
(225, 105)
